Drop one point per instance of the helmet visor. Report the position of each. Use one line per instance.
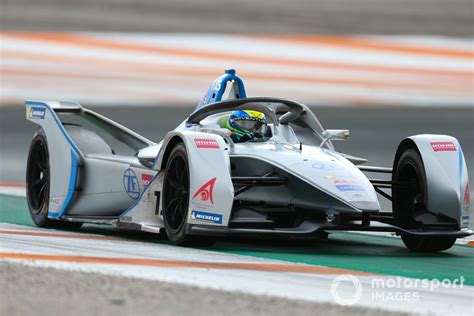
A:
(255, 126)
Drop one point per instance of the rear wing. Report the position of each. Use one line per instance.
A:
(65, 156)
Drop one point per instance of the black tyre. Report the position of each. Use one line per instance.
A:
(176, 200)
(410, 202)
(38, 183)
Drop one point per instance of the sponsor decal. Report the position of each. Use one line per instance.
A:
(56, 200)
(326, 166)
(467, 197)
(146, 179)
(443, 146)
(37, 112)
(345, 181)
(206, 217)
(130, 183)
(206, 143)
(204, 193)
(218, 86)
(465, 220)
(349, 187)
(357, 196)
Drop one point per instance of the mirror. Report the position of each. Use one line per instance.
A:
(336, 134)
(331, 134)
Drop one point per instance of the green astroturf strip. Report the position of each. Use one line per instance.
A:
(377, 254)
(384, 255)
(13, 210)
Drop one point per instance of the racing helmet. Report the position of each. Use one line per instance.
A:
(247, 125)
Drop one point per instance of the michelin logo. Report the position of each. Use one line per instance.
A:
(37, 112)
(206, 217)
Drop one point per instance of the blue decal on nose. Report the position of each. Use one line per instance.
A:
(350, 187)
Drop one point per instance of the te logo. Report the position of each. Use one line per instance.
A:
(130, 183)
(205, 192)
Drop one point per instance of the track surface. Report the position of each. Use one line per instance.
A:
(114, 295)
(289, 270)
(435, 17)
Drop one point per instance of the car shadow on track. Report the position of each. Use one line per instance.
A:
(338, 243)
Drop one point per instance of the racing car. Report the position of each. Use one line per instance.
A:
(198, 183)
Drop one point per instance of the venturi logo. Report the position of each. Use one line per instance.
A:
(205, 192)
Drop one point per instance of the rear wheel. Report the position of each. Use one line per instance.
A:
(410, 202)
(38, 183)
(176, 200)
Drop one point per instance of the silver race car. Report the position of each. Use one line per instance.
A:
(199, 183)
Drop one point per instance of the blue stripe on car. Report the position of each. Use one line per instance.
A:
(74, 160)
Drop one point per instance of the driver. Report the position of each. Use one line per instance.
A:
(247, 125)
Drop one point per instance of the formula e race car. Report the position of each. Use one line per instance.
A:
(198, 184)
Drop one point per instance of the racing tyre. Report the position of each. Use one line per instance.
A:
(38, 183)
(409, 202)
(176, 200)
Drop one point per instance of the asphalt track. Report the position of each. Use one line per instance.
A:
(285, 270)
(116, 295)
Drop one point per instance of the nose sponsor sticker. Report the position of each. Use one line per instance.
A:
(349, 187)
(357, 196)
(326, 166)
(345, 181)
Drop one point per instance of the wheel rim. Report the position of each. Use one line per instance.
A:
(176, 198)
(38, 177)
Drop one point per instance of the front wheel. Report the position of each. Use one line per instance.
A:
(38, 178)
(176, 200)
(410, 202)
